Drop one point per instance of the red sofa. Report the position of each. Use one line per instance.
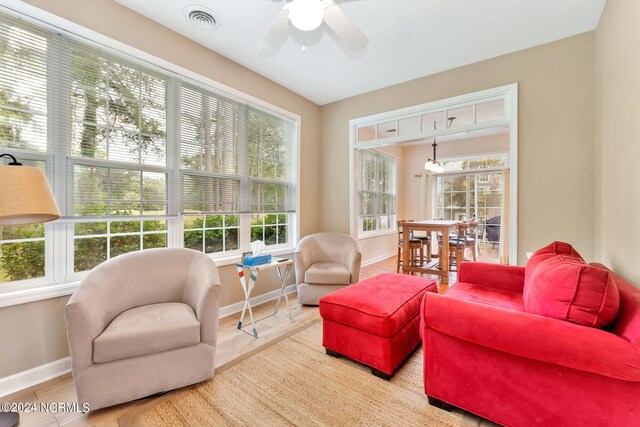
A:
(483, 352)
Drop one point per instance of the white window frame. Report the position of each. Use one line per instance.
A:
(60, 279)
(394, 192)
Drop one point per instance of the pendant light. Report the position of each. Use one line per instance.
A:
(433, 165)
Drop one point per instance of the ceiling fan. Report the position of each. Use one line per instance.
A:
(307, 15)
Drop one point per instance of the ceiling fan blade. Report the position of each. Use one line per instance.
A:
(345, 28)
(277, 32)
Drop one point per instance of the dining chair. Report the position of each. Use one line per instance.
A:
(416, 255)
(471, 239)
(426, 243)
(457, 245)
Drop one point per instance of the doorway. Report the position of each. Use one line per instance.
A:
(469, 130)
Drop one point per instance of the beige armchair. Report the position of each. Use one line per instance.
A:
(143, 323)
(325, 262)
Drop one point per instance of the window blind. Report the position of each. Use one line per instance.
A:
(209, 142)
(122, 139)
(117, 150)
(23, 85)
(233, 158)
(270, 169)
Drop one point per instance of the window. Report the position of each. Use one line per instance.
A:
(21, 252)
(465, 196)
(272, 229)
(138, 158)
(377, 191)
(236, 172)
(95, 242)
(490, 162)
(212, 233)
(471, 193)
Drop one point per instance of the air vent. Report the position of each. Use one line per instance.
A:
(201, 17)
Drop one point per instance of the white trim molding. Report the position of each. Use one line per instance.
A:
(39, 293)
(378, 258)
(510, 95)
(231, 309)
(34, 376)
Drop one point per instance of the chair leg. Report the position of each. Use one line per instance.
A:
(399, 260)
(475, 253)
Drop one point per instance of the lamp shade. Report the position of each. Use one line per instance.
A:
(25, 196)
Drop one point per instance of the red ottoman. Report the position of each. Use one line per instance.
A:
(376, 321)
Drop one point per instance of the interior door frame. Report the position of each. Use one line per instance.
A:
(510, 95)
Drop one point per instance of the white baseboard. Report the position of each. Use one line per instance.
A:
(230, 309)
(39, 374)
(378, 258)
(34, 376)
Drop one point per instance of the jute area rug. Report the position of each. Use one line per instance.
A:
(293, 382)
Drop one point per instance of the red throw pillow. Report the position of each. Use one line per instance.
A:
(558, 283)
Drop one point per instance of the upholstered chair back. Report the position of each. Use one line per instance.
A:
(328, 247)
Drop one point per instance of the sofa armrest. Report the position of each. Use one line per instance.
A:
(533, 337)
(505, 277)
(202, 293)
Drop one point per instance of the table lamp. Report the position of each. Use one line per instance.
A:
(25, 195)
(25, 198)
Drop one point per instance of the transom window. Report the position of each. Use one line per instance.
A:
(138, 158)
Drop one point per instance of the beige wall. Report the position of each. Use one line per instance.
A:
(32, 334)
(556, 85)
(41, 337)
(617, 83)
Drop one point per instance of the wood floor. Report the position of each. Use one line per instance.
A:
(231, 345)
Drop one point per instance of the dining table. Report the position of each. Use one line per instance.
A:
(429, 226)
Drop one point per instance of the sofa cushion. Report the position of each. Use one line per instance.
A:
(559, 284)
(380, 305)
(486, 295)
(146, 330)
(327, 273)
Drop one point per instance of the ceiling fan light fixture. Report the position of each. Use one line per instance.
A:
(306, 15)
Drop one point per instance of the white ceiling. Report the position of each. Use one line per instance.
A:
(407, 38)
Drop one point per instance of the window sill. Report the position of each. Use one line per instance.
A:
(38, 293)
(43, 292)
(376, 234)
